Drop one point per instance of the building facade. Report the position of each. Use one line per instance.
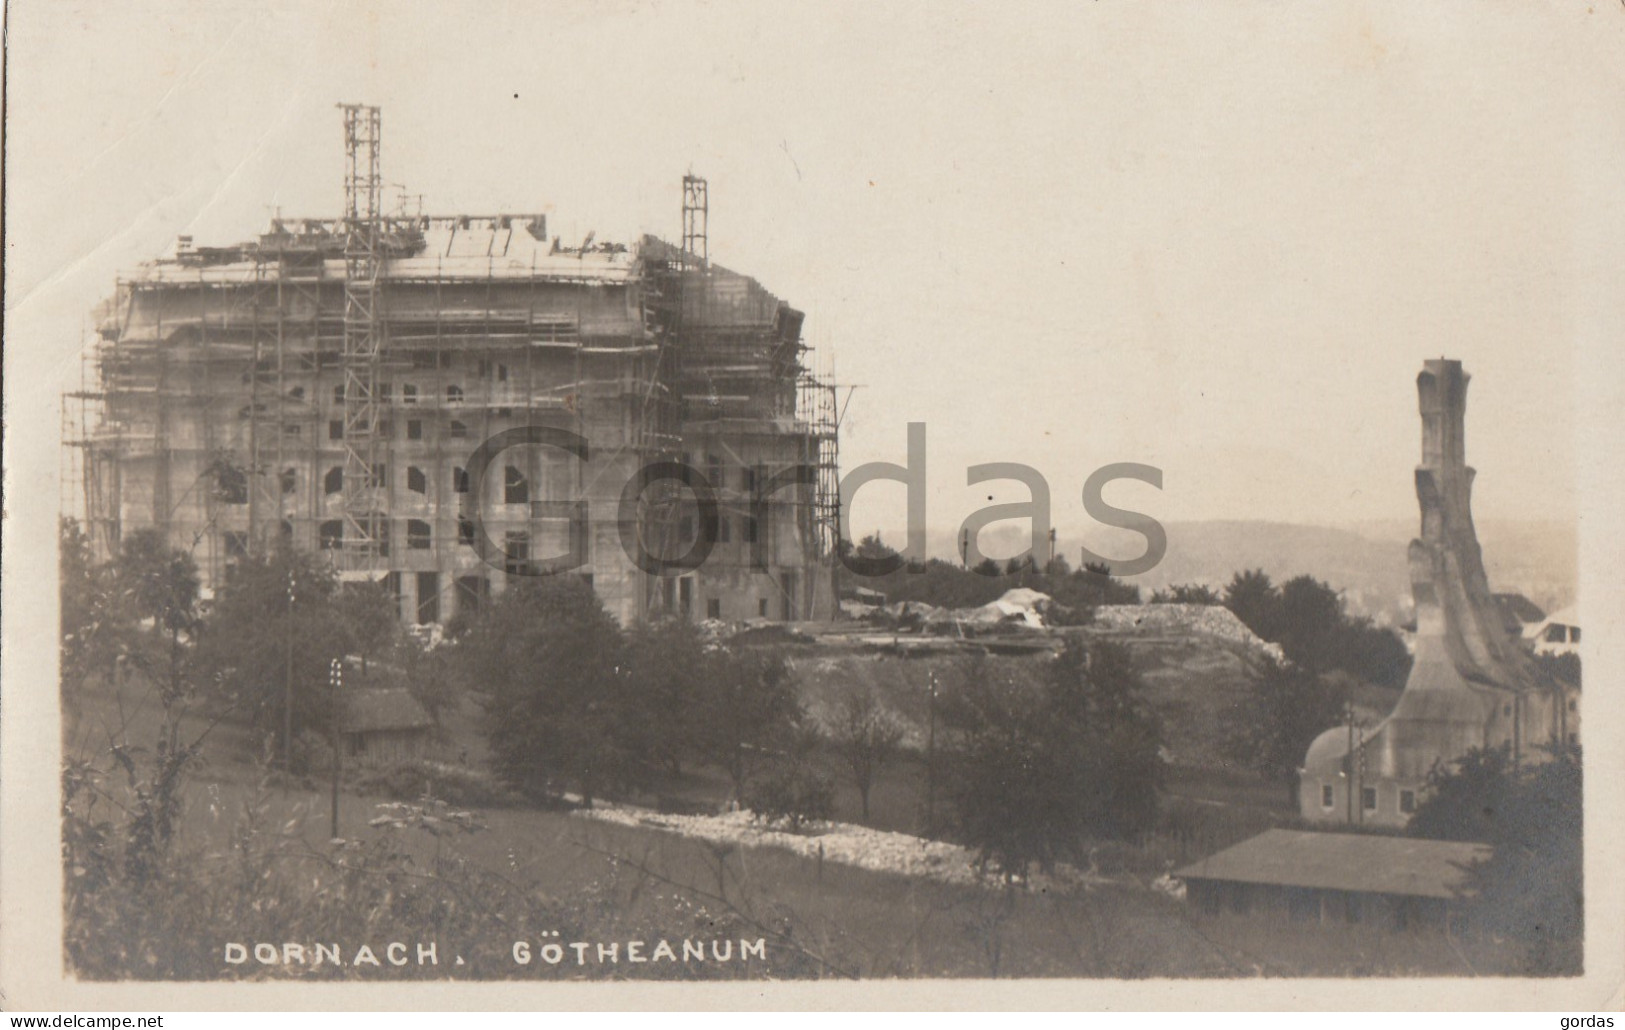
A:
(308, 390)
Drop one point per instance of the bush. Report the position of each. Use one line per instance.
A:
(1037, 774)
(793, 794)
(418, 778)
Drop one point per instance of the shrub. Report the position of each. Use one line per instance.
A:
(419, 778)
(793, 794)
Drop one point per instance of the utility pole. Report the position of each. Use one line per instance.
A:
(931, 754)
(1348, 708)
(335, 681)
(287, 684)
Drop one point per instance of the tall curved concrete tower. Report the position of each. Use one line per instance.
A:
(1471, 684)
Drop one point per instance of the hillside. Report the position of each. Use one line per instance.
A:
(1364, 560)
(1195, 675)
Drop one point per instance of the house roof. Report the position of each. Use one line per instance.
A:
(1518, 610)
(388, 708)
(1569, 616)
(1363, 863)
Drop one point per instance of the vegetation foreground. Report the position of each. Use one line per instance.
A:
(203, 764)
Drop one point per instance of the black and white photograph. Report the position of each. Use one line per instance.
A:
(953, 499)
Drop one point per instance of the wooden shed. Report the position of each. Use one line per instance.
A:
(383, 725)
(1341, 877)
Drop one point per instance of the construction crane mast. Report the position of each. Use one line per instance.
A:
(364, 458)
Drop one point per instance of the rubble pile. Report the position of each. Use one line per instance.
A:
(1207, 619)
(842, 843)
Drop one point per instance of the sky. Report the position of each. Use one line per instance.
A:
(1215, 239)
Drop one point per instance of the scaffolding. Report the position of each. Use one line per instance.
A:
(240, 397)
(364, 469)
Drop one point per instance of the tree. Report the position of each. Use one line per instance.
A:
(549, 665)
(1256, 602)
(1035, 773)
(794, 790)
(666, 663)
(1530, 890)
(1312, 625)
(97, 624)
(1186, 593)
(1285, 709)
(746, 714)
(161, 584)
(268, 656)
(371, 618)
(866, 736)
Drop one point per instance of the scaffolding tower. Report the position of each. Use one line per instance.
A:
(363, 339)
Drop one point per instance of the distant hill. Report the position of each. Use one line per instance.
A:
(1364, 560)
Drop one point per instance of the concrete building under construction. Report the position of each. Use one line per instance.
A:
(399, 393)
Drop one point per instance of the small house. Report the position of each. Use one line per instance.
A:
(1335, 877)
(383, 725)
(1558, 633)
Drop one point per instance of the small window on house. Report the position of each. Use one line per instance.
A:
(338, 394)
(236, 544)
(1574, 634)
(1328, 796)
(409, 393)
(385, 391)
(465, 530)
(291, 429)
(503, 413)
(1555, 634)
(335, 429)
(296, 393)
(333, 482)
(456, 430)
(454, 394)
(761, 607)
(1574, 706)
(502, 373)
(385, 427)
(749, 527)
(459, 480)
(416, 481)
(747, 479)
(713, 608)
(515, 488)
(414, 429)
(1368, 798)
(289, 480)
(1407, 801)
(713, 469)
(380, 475)
(423, 359)
(418, 534)
(332, 535)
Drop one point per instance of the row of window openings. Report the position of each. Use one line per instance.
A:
(310, 361)
(1368, 798)
(409, 391)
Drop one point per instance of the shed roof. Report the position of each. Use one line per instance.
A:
(1363, 863)
(387, 708)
